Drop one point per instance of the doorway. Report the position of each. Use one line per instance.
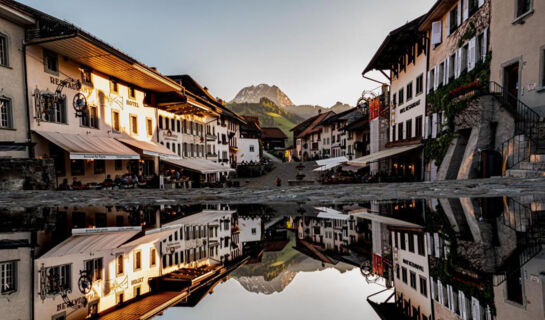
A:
(511, 83)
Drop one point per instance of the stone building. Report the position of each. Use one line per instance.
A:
(14, 134)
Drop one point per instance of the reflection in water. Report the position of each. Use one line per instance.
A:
(436, 259)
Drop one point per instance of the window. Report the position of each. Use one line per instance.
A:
(420, 239)
(119, 265)
(4, 50)
(394, 134)
(77, 167)
(132, 93)
(94, 269)
(137, 260)
(440, 74)
(252, 149)
(178, 126)
(404, 274)
(118, 165)
(451, 63)
(543, 67)
(473, 5)
(397, 271)
(57, 279)
(54, 108)
(5, 113)
(402, 240)
(424, 286)
(409, 91)
(134, 124)
(400, 131)
(172, 124)
(89, 118)
(409, 129)
(51, 62)
(160, 122)
(523, 7)
(419, 84)
(115, 121)
(463, 65)
(100, 166)
(413, 279)
(418, 127)
(149, 126)
(453, 19)
(114, 87)
(7, 277)
(400, 97)
(86, 77)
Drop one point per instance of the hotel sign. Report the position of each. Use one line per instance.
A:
(412, 264)
(132, 103)
(409, 107)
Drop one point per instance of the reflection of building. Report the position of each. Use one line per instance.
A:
(15, 270)
(410, 258)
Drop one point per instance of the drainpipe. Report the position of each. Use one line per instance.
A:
(30, 145)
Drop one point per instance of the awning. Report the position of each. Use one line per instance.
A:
(331, 161)
(350, 168)
(150, 148)
(327, 167)
(90, 147)
(364, 214)
(198, 165)
(366, 160)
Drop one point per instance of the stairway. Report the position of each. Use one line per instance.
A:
(524, 153)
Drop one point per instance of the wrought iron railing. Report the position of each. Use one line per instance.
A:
(523, 143)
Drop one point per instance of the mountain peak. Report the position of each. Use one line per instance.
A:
(253, 94)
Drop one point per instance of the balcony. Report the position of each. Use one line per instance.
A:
(210, 137)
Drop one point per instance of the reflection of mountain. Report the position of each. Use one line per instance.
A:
(278, 269)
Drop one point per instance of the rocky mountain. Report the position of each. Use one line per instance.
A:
(306, 111)
(253, 94)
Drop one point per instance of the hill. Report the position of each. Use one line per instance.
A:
(269, 114)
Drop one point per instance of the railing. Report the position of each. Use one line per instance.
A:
(523, 144)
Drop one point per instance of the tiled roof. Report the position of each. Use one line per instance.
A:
(273, 133)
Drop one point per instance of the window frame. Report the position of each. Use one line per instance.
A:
(9, 113)
(119, 271)
(3, 273)
(131, 92)
(520, 16)
(408, 96)
(50, 54)
(419, 81)
(86, 72)
(542, 69)
(149, 126)
(99, 169)
(5, 50)
(75, 173)
(133, 120)
(117, 123)
(137, 263)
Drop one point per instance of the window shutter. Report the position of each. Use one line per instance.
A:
(459, 13)
(440, 291)
(432, 288)
(436, 235)
(462, 304)
(459, 61)
(448, 24)
(436, 32)
(466, 10)
(472, 54)
(485, 43)
(428, 82)
(450, 298)
(434, 135)
(475, 312)
(481, 2)
(447, 68)
(436, 77)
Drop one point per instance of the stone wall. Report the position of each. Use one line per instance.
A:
(27, 174)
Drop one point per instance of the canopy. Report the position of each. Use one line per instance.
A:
(89, 147)
(329, 213)
(327, 167)
(373, 157)
(364, 214)
(331, 161)
(198, 165)
(150, 148)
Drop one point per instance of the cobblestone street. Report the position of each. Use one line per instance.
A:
(317, 194)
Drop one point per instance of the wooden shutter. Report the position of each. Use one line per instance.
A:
(459, 13)
(472, 54)
(447, 69)
(485, 43)
(436, 32)
(428, 82)
(448, 24)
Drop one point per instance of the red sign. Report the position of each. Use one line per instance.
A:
(377, 264)
(375, 106)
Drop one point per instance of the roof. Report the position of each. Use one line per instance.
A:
(150, 237)
(203, 217)
(436, 12)
(89, 146)
(356, 125)
(150, 148)
(343, 116)
(272, 133)
(303, 125)
(315, 125)
(251, 125)
(394, 46)
(93, 240)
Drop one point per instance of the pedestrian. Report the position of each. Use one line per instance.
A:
(278, 182)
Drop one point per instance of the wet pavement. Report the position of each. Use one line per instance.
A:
(316, 194)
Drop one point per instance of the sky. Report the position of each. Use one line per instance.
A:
(313, 50)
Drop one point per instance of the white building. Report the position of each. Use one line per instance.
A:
(410, 263)
(248, 150)
(251, 229)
